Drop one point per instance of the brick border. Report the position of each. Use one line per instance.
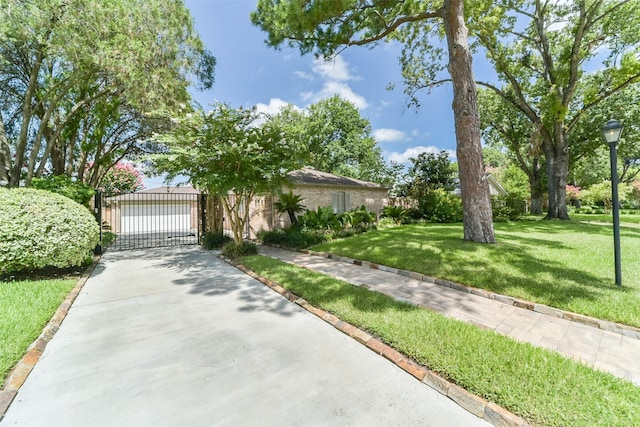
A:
(618, 328)
(479, 407)
(23, 368)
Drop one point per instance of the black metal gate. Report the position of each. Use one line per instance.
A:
(167, 216)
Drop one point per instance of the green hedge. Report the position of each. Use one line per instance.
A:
(43, 229)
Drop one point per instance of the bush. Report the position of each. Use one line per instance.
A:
(214, 240)
(506, 208)
(233, 250)
(295, 237)
(43, 229)
(79, 192)
(396, 213)
(441, 206)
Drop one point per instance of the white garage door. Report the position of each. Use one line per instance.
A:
(156, 217)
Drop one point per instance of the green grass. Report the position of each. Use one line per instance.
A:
(25, 308)
(564, 264)
(539, 385)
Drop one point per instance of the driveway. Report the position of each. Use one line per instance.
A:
(175, 337)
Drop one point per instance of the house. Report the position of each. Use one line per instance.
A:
(495, 188)
(318, 189)
(169, 210)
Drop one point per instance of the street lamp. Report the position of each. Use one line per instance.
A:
(612, 131)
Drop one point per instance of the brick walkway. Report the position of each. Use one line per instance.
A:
(615, 350)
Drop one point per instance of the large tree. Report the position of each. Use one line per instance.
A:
(56, 69)
(503, 125)
(230, 154)
(326, 27)
(335, 138)
(542, 51)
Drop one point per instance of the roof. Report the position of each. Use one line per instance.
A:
(308, 176)
(185, 189)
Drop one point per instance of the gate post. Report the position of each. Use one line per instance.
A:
(97, 211)
(203, 217)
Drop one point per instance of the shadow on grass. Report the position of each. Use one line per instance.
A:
(513, 266)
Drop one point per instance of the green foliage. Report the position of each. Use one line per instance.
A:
(25, 307)
(322, 218)
(441, 206)
(397, 213)
(291, 204)
(359, 218)
(39, 229)
(94, 85)
(230, 153)
(295, 237)
(77, 191)
(506, 208)
(214, 240)
(430, 171)
(600, 194)
(234, 250)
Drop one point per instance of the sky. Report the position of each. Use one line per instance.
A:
(250, 73)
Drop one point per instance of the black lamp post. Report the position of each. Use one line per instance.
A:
(612, 131)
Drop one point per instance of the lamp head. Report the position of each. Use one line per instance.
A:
(612, 131)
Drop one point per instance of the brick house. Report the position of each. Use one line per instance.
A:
(318, 189)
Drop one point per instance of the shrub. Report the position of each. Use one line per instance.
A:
(397, 213)
(506, 208)
(233, 250)
(214, 240)
(441, 206)
(79, 192)
(322, 218)
(295, 237)
(43, 229)
(359, 218)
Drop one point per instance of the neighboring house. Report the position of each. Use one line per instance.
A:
(168, 210)
(318, 189)
(495, 189)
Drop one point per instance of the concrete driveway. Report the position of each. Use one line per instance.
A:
(175, 337)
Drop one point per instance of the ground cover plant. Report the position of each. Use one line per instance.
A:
(539, 385)
(564, 264)
(25, 308)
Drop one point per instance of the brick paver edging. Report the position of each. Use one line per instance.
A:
(626, 330)
(481, 408)
(23, 368)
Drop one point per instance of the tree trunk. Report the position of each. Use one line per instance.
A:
(537, 187)
(476, 201)
(557, 155)
(5, 157)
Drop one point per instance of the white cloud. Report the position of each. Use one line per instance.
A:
(303, 76)
(388, 135)
(415, 152)
(335, 74)
(336, 69)
(274, 106)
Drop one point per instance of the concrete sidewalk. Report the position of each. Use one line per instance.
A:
(176, 337)
(613, 352)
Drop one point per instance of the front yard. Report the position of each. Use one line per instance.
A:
(568, 265)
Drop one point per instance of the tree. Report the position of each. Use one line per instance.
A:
(503, 125)
(325, 27)
(431, 171)
(227, 152)
(56, 70)
(291, 204)
(122, 178)
(335, 138)
(542, 50)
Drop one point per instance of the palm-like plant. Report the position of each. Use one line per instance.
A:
(290, 204)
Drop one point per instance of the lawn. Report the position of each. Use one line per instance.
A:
(563, 264)
(539, 385)
(25, 308)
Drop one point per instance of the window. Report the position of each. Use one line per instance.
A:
(341, 202)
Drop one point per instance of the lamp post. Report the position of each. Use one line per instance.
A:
(612, 131)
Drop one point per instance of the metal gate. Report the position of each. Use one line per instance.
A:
(166, 216)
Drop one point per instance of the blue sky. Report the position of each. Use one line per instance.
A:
(249, 73)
